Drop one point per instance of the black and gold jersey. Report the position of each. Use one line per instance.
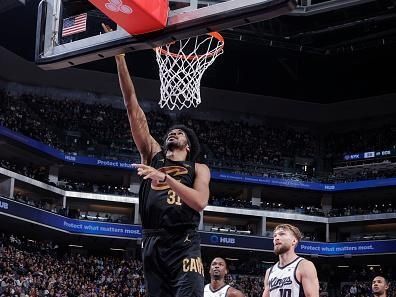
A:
(159, 205)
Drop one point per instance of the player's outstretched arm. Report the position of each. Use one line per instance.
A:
(196, 197)
(266, 284)
(309, 278)
(146, 144)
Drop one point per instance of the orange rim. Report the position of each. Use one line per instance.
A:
(211, 53)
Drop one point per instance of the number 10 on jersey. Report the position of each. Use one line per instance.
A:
(285, 292)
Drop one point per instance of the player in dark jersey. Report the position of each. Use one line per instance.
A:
(291, 276)
(173, 192)
(380, 286)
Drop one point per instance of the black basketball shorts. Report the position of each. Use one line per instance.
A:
(172, 263)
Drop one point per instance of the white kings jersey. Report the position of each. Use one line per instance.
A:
(222, 292)
(283, 281)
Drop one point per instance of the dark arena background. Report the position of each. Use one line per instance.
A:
(297, 125)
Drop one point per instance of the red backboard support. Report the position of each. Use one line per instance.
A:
(135, 16)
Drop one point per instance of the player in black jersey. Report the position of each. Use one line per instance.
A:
(173, 192)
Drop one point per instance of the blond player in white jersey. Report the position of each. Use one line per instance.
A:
(291, 276)
(217, 287)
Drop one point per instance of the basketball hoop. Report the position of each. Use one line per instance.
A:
(181, 66)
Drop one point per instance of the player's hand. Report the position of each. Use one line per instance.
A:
(149, 172)
(106, 28)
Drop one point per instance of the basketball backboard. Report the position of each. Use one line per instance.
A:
(55, 49)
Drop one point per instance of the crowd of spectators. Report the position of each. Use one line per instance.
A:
(73, 184)
(40, 173)
(244, 229)
(251, 286)
(262, 149)
(219, 199)
(356, 289)
(46, 204)
(358, 282)
(360, 140)
(40, 268)
(43, 268)
(226, 200)
(103, 131)
(52, 205)
(340, 278)
(31, 268)
(17, 116)
(361, 289)
(368, 172)
(352, 210)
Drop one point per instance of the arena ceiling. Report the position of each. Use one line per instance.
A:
(341, 54)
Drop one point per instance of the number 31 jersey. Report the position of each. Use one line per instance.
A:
(159, 206)
(283, 281)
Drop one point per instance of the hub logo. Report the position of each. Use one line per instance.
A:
(220, 239)
(214, 239)
(70, 158)
(3, 205)
(227, 240)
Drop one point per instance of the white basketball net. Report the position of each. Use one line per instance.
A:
(181, 66)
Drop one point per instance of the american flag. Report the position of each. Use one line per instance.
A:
(74, 24)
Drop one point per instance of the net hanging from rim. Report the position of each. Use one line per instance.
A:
(181, 66)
